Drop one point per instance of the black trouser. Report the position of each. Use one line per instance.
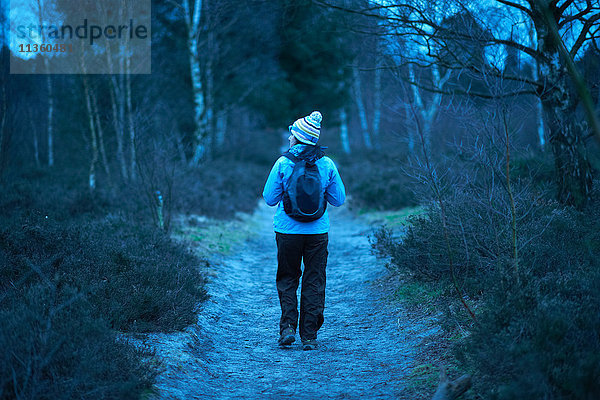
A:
(292, 249)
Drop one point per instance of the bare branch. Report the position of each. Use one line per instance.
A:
(517, 6)
(584, 31)
(468, 92)
(561, 10)
(580, 14)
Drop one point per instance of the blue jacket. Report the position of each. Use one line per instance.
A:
(335, 193)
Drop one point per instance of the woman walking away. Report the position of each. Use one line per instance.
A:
(302, 182)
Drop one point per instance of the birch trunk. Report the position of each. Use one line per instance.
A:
(132, 152)
(210, 138)
(50, 99)
(377, 106)
(50, 127)
(36, 146)
(221, 128)
(344, 131)
(411, 132)
(94, 143)
(362, 115)
(539, 109)
(192, 19)
(418, 104)
(179, 143)
(116, 94)
(539, 122)
(118, 125)
(428, 112)
(100, 131)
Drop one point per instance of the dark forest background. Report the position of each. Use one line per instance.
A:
(503, 158)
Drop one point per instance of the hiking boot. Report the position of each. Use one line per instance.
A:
(287, 336)
(309, 344)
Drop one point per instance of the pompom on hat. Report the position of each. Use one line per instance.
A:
(307, 129)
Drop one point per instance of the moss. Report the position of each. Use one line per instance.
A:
(423, 375)
(391, 218)
(419, 294)
(211, 236)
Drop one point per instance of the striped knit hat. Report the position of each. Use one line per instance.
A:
(307, 129)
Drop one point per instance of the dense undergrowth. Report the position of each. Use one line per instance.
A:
(375, 182)
(537, 315)
(79, 268)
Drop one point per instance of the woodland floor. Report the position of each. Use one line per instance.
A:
(367, 344)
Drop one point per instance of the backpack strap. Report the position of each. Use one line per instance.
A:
(312, 153)
(291, 157)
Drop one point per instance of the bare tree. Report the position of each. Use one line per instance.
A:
(360, 105)
(34, 132)
(563, 31)
(93, 135)
(428, 111)
(117, 90)
(344, 131)
(377, 104)
(44, 11)
(192, 19)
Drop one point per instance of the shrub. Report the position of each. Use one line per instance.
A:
(57, 347)
(544, 325)
(539, 315)
(374, 181)
(134, 276)
(538, 337)
(220, 188)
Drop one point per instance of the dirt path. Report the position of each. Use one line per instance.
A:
(365, 346)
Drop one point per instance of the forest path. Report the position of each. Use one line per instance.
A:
(365, 343)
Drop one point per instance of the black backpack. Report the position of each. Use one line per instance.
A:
(304, 196)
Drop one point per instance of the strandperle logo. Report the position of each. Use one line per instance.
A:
(80, 36)
(83, 31)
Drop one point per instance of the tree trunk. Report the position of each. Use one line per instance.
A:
(50, 126)
(428, 113)
(41, 10)
(377, 106)
(362, 115)
(179, 143)
(133, 156)
(539, 122)
(118, 124)
(192, 19)
(210, 135)
(574, 173)
(539, 109)
(99, 131)
(116, 95)
(421, 112)
(36, 146)
(344, 131)
(94, 142)
(221, 128)
(411, 132)
(450, 390)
